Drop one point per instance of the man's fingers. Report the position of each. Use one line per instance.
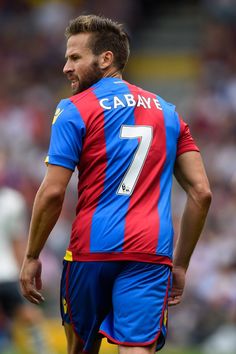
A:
(34, 297)
(31, 293)
(175, 297)
(34, 294)
(174, 300)
(30, 280)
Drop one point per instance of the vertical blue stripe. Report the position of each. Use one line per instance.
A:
(108, 223)
(172, 127)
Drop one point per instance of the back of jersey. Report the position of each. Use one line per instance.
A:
(128, 145)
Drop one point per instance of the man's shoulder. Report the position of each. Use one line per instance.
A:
(67, 110)
(64, 104)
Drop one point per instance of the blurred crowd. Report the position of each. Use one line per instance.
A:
(31, 59)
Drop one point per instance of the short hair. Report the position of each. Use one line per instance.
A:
(107, 35)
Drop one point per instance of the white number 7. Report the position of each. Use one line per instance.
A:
(129, 181)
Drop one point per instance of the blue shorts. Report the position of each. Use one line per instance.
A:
(124, 301)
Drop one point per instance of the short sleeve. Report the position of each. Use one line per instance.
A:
(67, 133)
(185, 141)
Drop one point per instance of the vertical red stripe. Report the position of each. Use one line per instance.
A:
(142, 220)
(91, 170)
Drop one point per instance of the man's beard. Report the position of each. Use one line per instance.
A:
(93, 75)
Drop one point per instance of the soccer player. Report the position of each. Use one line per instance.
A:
(126, 143)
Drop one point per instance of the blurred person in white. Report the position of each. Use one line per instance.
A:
(14, 311)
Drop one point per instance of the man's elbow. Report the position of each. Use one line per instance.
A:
(52, 194)
(203, 196)
(206, 197)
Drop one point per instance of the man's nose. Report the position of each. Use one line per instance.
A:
(67, 68)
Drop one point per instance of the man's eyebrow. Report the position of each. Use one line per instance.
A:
(71, 55)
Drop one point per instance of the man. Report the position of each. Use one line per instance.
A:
(126, 143)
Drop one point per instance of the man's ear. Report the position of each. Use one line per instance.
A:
(105, 59)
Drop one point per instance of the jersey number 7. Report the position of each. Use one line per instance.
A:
(131, 176)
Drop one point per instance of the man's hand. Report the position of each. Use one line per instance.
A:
(178, 282)
(30, 280)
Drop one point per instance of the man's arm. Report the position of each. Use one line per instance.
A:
(46, 210)
(191, 175)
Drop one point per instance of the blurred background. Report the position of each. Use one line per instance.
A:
(185, 51)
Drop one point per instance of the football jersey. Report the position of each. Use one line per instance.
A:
(124, 141)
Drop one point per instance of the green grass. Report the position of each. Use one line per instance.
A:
(180, 351)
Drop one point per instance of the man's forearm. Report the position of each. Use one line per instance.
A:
(47, 207)
(192, 223)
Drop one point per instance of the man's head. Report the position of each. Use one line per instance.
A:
(96, 47)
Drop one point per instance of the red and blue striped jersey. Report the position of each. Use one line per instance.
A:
(124, 141)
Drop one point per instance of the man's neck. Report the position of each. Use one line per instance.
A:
(113, 72)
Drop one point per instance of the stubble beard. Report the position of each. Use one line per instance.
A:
(93, 75)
